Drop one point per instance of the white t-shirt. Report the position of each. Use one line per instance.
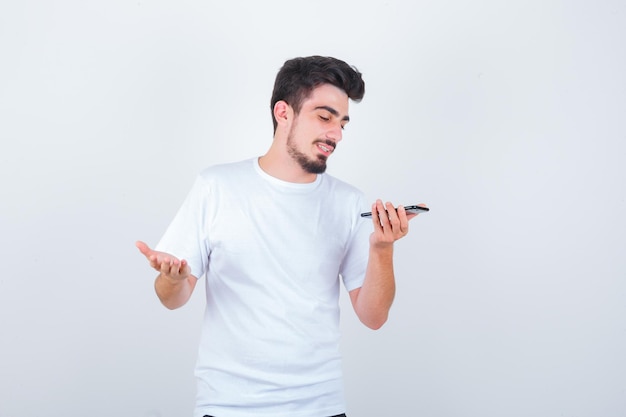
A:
(272, 253)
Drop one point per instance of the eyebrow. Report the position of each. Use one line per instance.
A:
(333, 112)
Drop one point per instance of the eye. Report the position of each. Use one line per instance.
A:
(324, 118)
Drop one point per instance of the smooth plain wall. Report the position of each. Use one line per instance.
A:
(506, 118)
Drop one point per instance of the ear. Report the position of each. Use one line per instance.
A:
(283, 113)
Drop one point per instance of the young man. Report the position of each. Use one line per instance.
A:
(273, 236)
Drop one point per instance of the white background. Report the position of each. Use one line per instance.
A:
(506, 118)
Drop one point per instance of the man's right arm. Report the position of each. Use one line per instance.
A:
(175, 283)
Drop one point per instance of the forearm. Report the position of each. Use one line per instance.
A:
(375, 297)
(174, 293)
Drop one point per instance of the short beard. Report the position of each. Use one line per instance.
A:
(312, 166)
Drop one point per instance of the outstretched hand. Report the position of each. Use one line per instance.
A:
(389, 224)
(168, 265)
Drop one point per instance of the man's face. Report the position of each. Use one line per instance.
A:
(317, 128)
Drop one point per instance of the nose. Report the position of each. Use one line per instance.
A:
(335, 133)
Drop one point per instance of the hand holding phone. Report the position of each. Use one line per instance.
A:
(409, 209)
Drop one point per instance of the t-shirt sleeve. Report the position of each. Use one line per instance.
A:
(355, 261)
(187, 235)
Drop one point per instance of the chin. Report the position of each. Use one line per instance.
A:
(312, 164)
(315, 166)
(316, 169)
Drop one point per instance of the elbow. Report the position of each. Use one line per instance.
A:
(375, 326)
(170, 306)
(371, 311)
(375, 323)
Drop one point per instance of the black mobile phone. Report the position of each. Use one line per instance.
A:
(409, 209)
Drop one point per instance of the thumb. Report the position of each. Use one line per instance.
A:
(143, 248)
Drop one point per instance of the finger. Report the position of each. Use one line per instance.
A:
(152, 261)
(388, 212)
(376, 217)
(382, 216)
(182, 269)
(165, 266)
(143, 248)
(404, 219)
(185, 269)
(397, 220)
(155, 261)
(392, 213)
(174, 267)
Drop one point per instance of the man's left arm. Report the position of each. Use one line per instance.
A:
(373, 299)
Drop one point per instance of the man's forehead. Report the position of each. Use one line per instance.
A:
(327, 96)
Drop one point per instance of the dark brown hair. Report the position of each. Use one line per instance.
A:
(299, 76)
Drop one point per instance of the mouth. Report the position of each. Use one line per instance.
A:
(326, 147)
